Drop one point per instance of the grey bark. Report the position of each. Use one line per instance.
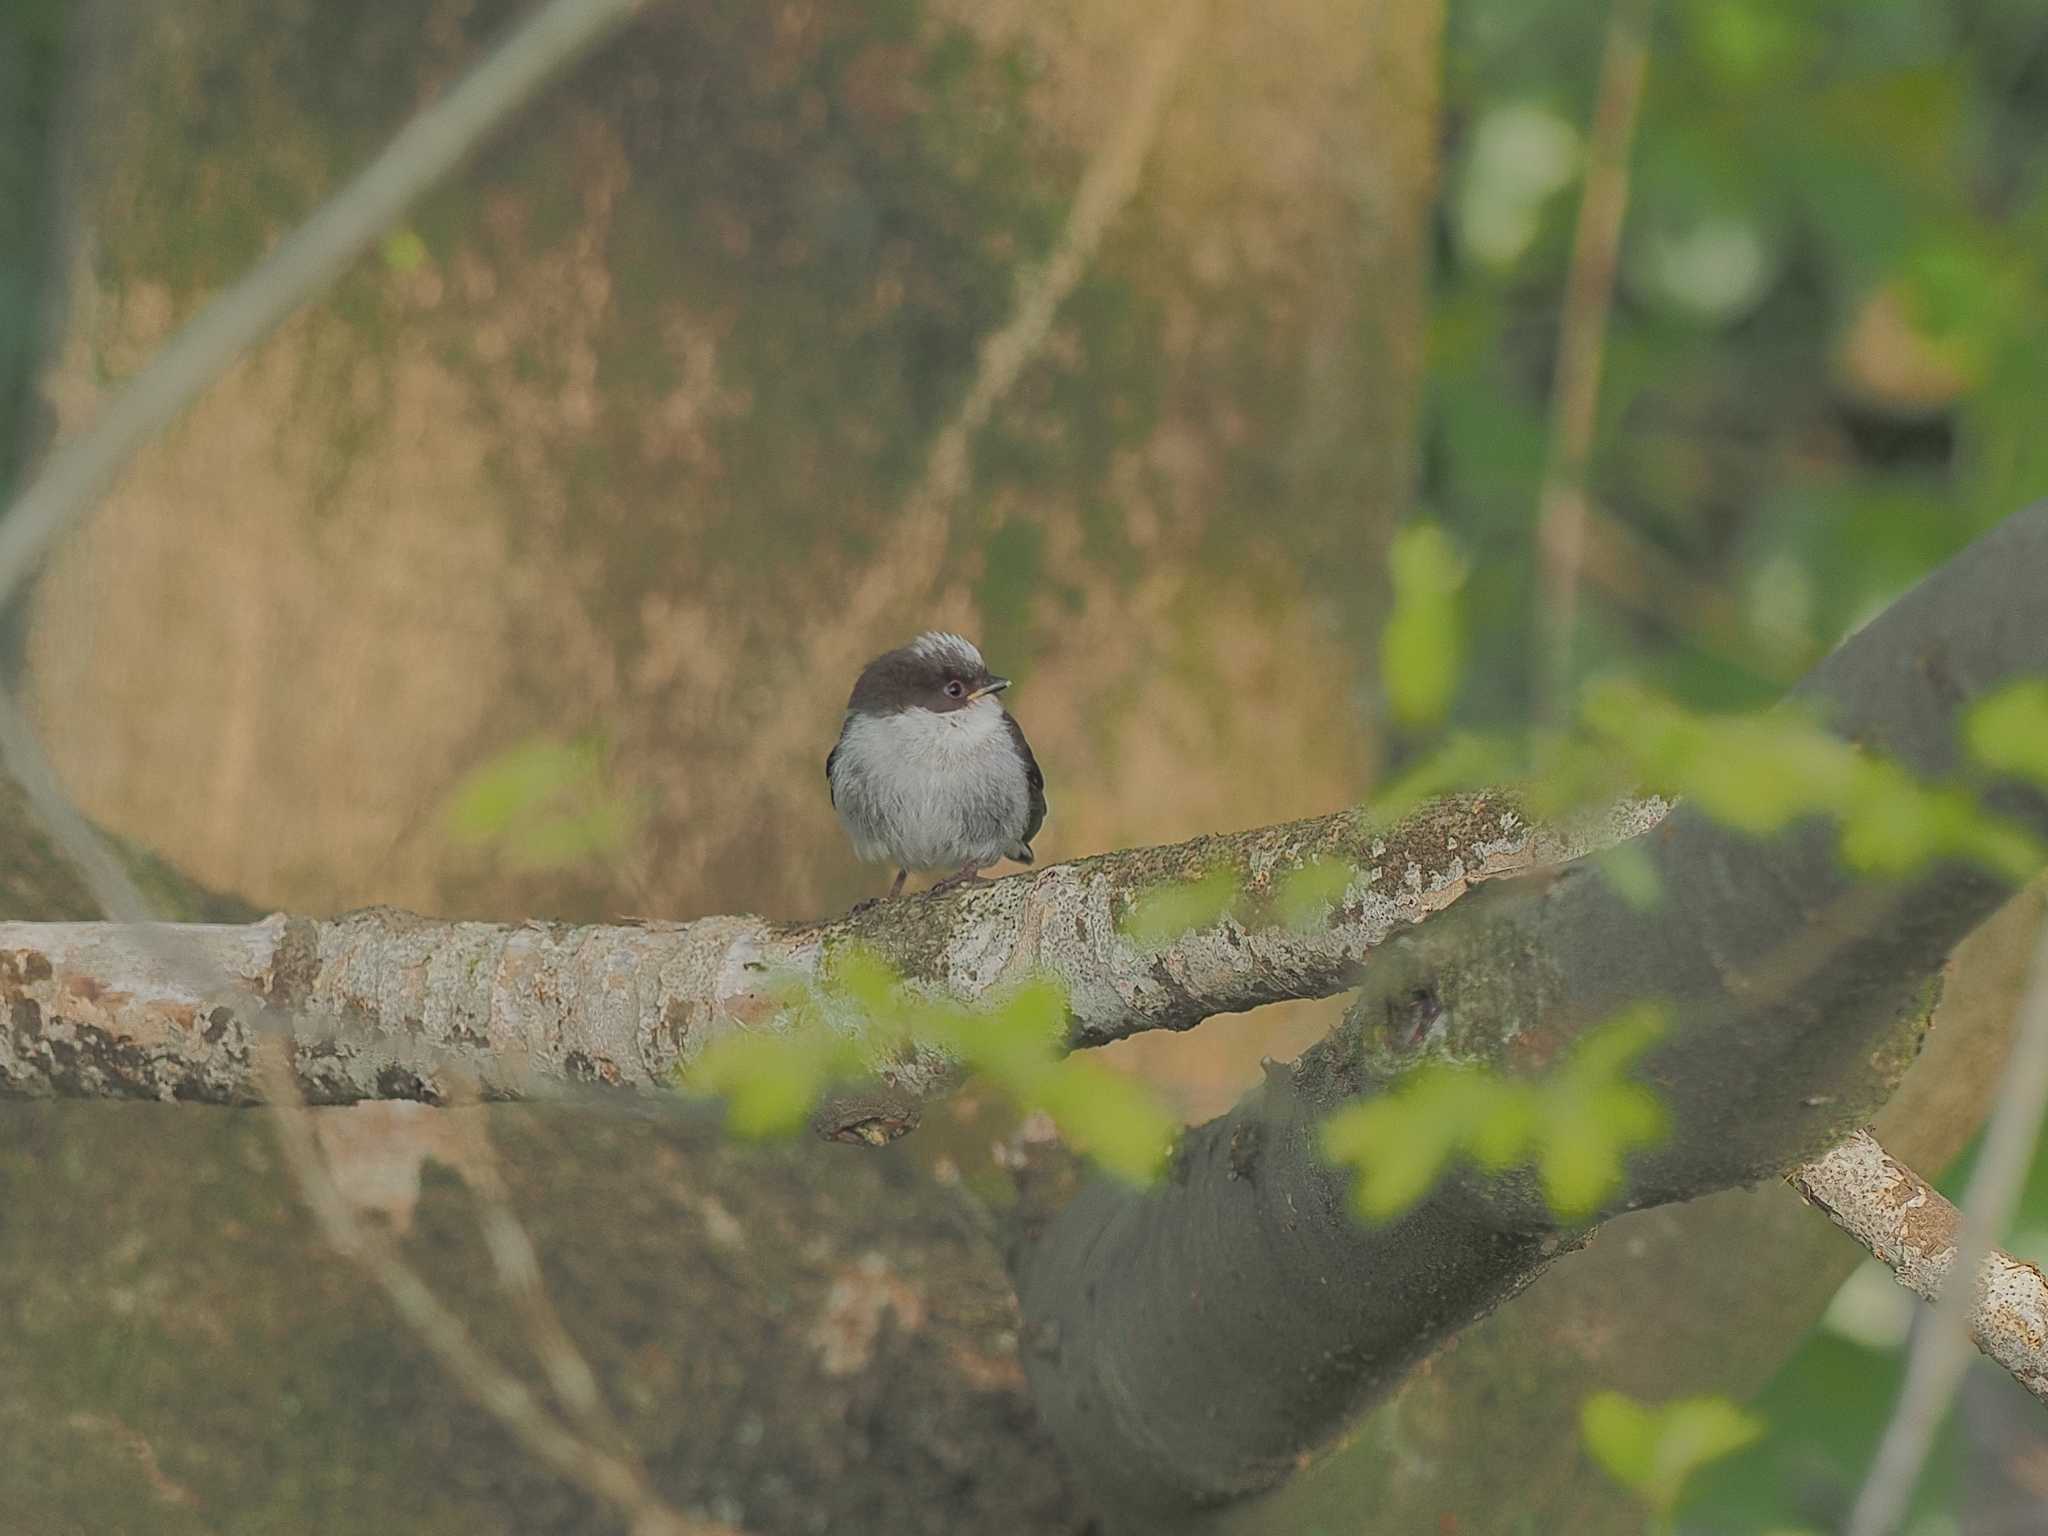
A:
(390, 1005)
(1906, 1223)
(1799, 995)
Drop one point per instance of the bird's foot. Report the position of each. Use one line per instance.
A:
(955, 880)
(895, 890)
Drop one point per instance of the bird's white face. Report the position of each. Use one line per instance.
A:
(944, 737)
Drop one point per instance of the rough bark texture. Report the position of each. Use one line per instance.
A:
(1898, 1216)
(395, 1006)
(1799, 999)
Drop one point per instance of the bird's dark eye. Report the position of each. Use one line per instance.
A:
(956, 689)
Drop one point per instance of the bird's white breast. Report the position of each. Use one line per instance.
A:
(931, 790)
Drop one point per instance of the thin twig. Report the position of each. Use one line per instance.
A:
(517, 1263)
(619, 1482)
(315, 253)
(1942, 1349)
(1582, 338)
(1912, 1230)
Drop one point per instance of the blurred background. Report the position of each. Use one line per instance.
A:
(525, 572)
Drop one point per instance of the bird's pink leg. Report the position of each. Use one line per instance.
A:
(966, 873)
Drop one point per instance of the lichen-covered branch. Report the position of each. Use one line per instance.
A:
(390, 1005)
(1907, 1224)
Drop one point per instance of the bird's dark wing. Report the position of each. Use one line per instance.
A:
(1034, 780)
(831, 758)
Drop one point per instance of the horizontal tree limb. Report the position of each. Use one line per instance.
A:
(389, 1005)
(1916, 1232)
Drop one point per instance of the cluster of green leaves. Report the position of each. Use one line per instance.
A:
(860, 1014)
(544, 804)
(1758, 772)
(1574, 1123)
(1653, 1450)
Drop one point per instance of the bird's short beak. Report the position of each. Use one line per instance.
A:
(993, 685)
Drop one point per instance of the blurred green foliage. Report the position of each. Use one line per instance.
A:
(1574, 1123)
(1830, 338)
(1654, 1450)
(543, 804)
(1761, 772)
(2008, 732)
(860, 1015)
(1173, 909)
(1421, 650)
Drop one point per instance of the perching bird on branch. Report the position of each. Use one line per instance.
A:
(931, 772)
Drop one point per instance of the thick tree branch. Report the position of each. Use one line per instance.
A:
(396, 1006)
(1906, 1223)
(1200, 1341)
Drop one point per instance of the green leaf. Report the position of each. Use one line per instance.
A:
(1760, 773)
(1422, 648)
(1401, 1140)
(1302, 898)
(1575, 1124)
(403, 250)
(492, 796)
(1111, 1116)
(769, 1081)
(860, 1013)
(543, 804)
(1168, 912)
(1652, 1451)
(1621, 1435)
(1629, 870)
(1464, 761)
(2008, 732)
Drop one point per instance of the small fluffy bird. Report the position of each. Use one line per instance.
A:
(931, 772)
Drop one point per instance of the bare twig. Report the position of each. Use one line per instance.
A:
(517, 1262)
(1942, 1349)
(1582, 337)
(618, 1481)
(1906, 1224)
(315, 253)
